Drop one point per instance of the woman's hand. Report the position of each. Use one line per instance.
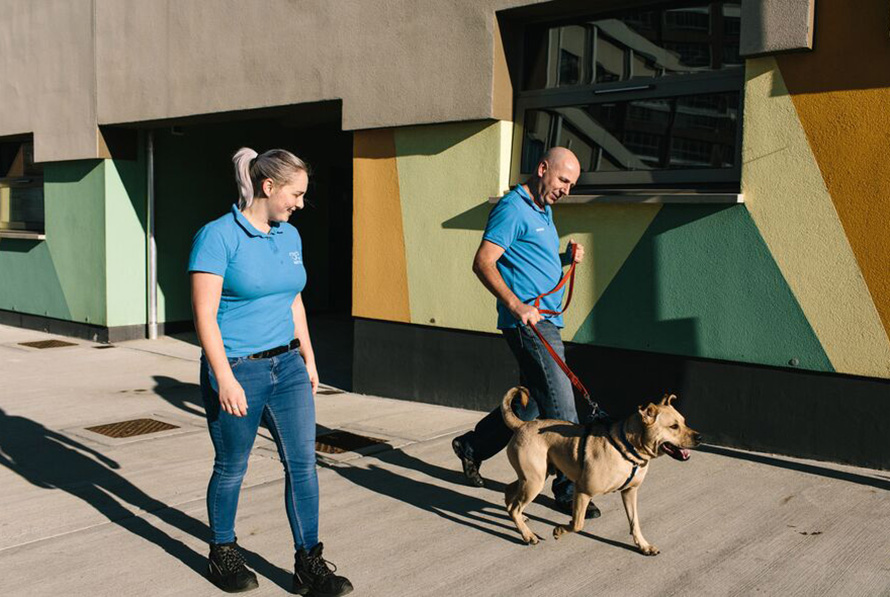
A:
(232, 398)
(313, 375)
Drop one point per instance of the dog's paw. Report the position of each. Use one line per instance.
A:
(559, 530)
(531, 539)
(649, 550)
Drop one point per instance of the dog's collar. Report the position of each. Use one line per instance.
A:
(626, 449)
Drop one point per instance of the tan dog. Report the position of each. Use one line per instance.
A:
(611, 459)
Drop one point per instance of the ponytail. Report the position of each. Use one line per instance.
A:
(243, 159)
(251, 169)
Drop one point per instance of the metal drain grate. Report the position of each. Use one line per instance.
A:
(338, 442)
(132, 428)
(47, 344)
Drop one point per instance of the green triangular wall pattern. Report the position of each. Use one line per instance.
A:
(665, 299)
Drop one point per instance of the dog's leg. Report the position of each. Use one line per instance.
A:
(629, 497)
(579, 509)
(523, 492)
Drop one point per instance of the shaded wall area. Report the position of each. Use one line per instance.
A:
(62, 277)
(195, 184)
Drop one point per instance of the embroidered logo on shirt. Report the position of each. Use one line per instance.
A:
(295, 255)
(539, 229)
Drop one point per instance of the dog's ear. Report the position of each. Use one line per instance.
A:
(667, 399)
(648, 413)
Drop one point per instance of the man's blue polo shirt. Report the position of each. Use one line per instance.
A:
(262, 275)
(531, 262)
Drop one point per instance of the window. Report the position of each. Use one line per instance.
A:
(21, 189)
(645, 97)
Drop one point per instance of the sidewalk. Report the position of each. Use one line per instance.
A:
(83, 514)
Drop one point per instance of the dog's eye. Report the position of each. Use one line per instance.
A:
(675, 426)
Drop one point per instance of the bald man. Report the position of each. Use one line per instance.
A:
(519, 259)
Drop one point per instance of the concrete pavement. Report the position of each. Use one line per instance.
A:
(81, 514)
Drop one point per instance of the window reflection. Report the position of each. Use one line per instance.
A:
(696, 131)
(700, 37)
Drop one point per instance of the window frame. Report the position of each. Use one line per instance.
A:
(731, 80)
(32, 180)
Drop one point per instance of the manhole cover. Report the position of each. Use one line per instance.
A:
(338, 442)
(47, 344)
(132, 428)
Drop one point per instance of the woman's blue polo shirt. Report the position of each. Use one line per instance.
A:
(531, 263)
(262, 275)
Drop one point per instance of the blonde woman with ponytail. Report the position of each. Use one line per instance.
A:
(257, 362)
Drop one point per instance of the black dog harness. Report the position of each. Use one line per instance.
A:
(628, 449)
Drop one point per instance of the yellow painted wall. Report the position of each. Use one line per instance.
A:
(379, 282)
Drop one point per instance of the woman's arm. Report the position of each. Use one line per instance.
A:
(206, 292)
(301, 331)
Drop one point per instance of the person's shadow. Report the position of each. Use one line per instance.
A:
(50, 460)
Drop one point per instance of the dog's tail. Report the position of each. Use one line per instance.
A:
(510, 418)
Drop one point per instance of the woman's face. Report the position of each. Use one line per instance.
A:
(287, 198)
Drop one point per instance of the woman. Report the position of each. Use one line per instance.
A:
(246, 275)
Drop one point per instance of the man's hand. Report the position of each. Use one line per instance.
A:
(232, 398)
(579, 251)
(526, 314)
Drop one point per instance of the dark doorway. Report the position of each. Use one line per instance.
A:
(194, 184)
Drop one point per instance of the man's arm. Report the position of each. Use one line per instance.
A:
(485, 268)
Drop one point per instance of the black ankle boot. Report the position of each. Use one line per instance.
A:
(313, 576)
(228, 570)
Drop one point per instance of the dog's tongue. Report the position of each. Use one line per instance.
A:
(675, 452)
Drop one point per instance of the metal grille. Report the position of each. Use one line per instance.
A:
(132, 428)
(338, 442)
(47, 344)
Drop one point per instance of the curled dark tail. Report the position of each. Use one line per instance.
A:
(510, 418)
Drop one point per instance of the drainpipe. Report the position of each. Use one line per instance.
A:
(151, 246)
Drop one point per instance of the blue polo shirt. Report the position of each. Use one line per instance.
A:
(531, 262)
(262, 275)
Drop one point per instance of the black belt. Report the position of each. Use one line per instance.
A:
(274, 352)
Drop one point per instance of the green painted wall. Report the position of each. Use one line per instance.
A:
(701, 282)
(64, 276)
(125, 266)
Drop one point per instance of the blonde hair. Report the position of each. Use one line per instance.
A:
(251, 169)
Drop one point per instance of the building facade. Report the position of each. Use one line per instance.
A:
(733, 200)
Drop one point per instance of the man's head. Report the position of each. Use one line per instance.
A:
(556, 174)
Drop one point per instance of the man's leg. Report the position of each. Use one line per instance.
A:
(491, 434)
(552, 390)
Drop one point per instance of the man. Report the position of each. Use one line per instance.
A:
(518, 260)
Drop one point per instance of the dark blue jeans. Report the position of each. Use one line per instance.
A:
(278, 393)
(551, 393)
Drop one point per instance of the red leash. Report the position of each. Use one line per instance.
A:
(570, 278)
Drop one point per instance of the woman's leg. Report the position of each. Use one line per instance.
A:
(232, 439)
(290, 416)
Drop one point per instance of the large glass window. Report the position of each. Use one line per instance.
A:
(644, 97)
(21, 188)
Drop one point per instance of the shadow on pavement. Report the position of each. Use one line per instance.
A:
(50, 460)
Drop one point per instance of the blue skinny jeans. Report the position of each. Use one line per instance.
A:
(279, 393)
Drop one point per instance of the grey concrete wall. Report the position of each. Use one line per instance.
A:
(770, 26)
(67, 66)
(47, 76)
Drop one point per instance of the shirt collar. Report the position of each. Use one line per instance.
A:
(249, 228)
(528, 199)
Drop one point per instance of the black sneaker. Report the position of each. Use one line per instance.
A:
(313, 575)
(471, 467)
(228, 570)
(568, 507)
